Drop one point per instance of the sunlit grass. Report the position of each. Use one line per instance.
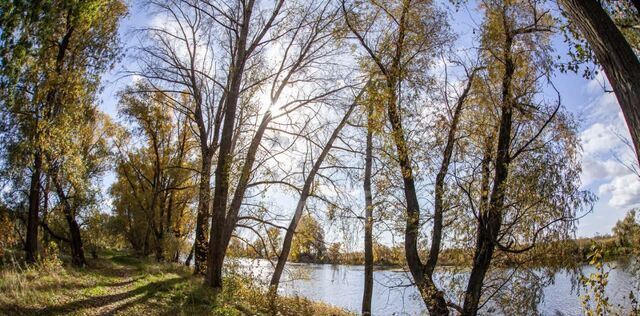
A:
(126, 285)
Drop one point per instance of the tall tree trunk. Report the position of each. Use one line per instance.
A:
(489, 222)
(221, 191)
(368, 218)
(434, 298)
(218, 254)
(304, 195)
(614, 54)
(201, 244)
(245, 45)
(31, 246)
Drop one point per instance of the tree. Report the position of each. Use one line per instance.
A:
(293, 85)
(368, 218)
(155, 178)
(627, 230)
(407, 36)
(287, 245)
(75, 173)
(53, 54)
(177, 59)
(528, 188)
(308, 243)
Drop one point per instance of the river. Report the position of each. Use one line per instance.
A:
(341, 285)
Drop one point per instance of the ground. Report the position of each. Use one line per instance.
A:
(121, 284)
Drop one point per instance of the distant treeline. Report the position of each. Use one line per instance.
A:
(311, 248)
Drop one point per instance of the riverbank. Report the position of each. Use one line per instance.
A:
(566, 253)
(122, 284)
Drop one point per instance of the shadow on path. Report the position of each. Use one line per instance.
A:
(147, 291)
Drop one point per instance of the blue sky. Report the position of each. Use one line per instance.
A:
(601, 126)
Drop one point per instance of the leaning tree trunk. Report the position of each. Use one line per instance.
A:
(77, 249)
(187, 262)
(368, 224)
(304, 195)
(615, 56)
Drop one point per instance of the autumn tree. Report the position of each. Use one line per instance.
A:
(627, 230)
(398, 39)
(154, 178)
(293, 82)
(522, 184)
(308, 243)
(178, 58)
(53, 55)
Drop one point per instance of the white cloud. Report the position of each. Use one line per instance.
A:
(604, 148)
(600, 139)
(624, 190)
(594, 170)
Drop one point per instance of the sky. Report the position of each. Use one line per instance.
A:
(601, 126)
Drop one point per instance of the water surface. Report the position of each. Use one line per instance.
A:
(393, 294)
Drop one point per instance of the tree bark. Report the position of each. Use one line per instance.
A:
(368, 224)
(201, 244)
(614, 54)
(221, 191)
(187, 262)
(31, 246)
(77, 249)
(304, 195)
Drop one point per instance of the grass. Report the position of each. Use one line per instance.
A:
(120, 284)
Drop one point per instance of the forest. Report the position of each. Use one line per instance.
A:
(233, 157)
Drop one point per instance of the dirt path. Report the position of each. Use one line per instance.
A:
(118, 285)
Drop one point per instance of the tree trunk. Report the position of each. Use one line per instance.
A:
(218, 254)
(304, 195)
(187, 262)
(201, 244)
(221, 191)
(145, 245)
(158, 250)
(31, 246)
(614, 54)
(433, 298)
(489, 222)
(368, 224)
(77, 251)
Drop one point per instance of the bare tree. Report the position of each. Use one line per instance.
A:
(178, 59)
(304, 195)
